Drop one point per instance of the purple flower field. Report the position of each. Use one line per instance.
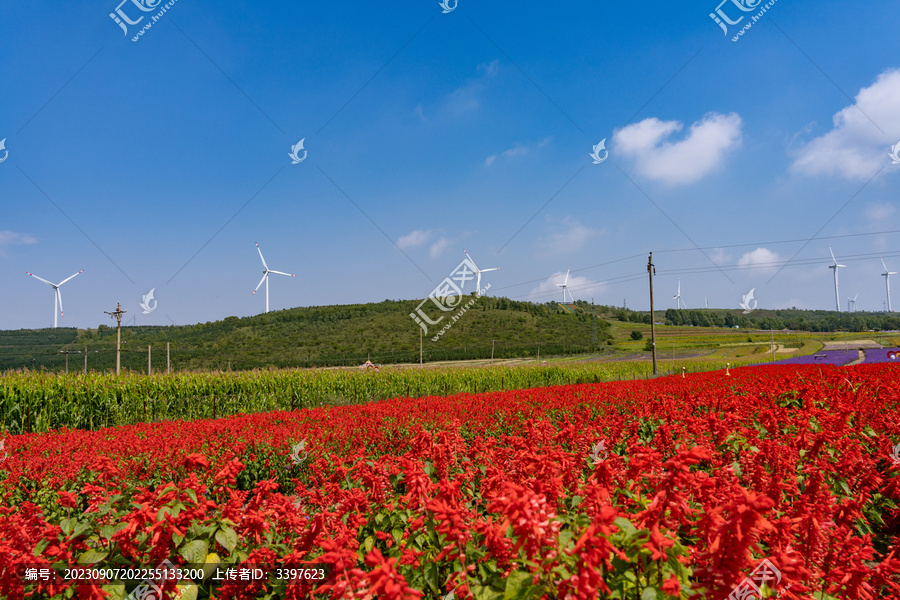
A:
(827, 357)
(883, 355)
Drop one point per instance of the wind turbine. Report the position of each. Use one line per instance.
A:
(836, 266)
(478, 273)
(565, 287)
(851, 303)
(677, 297)
(57, 297)
(887, 283)
(265, 276)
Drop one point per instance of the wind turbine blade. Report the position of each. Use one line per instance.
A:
(567, 274)
(841, 266)
(65, 280)
(283, 273)
(486, 270)
(265, 266)
(834, 260)
(266, 274)
(40, 279)
(59, 297)
(473, 262)
(883, 265)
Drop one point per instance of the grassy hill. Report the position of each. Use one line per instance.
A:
(347, 335)
(318, 336)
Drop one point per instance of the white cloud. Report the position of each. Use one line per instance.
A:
(761, 258)
(516, 151)
(683, 161)
(439, 246)
(856, 147)
(413, 239)
(579, 288)
(12, 238)
(568, 240)
(880, 211)
(719, 256)
(467, 97)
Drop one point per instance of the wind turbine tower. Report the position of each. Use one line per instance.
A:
(836, 266)
(851, 303)
(57, 297)
(887, 284)
(677, 297)
(265, 277)
(478, 273)
(565, 287)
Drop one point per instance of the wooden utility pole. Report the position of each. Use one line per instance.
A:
(67, 352)
(420, 346)
(149, 368)
(85, 360)
(651, 270)
(117, 314)
(773, 345)
(168, 363)
(492, 351)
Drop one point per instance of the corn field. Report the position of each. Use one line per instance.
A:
(39, 402)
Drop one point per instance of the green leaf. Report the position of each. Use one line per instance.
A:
(649, 593)
(519, 587)
(191, 494)
(227, 538)
(116, 591)
(188, 592)
(367, 544)
(91, 557)
(177, 539)
(625, 526)
(195, 552)
(80, 529)
(66, 525)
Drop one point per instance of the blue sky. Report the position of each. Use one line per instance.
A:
(159, 163)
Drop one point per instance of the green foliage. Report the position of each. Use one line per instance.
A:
(315, 336)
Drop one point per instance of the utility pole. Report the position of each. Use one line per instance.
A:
(773, 345)
(117, 314)
(492, 352)
(651, 270)
(420, 346)
(67, 352)
(168, 363)
(85, 360)
(149, 368)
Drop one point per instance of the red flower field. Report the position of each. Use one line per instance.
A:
(779, 479)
